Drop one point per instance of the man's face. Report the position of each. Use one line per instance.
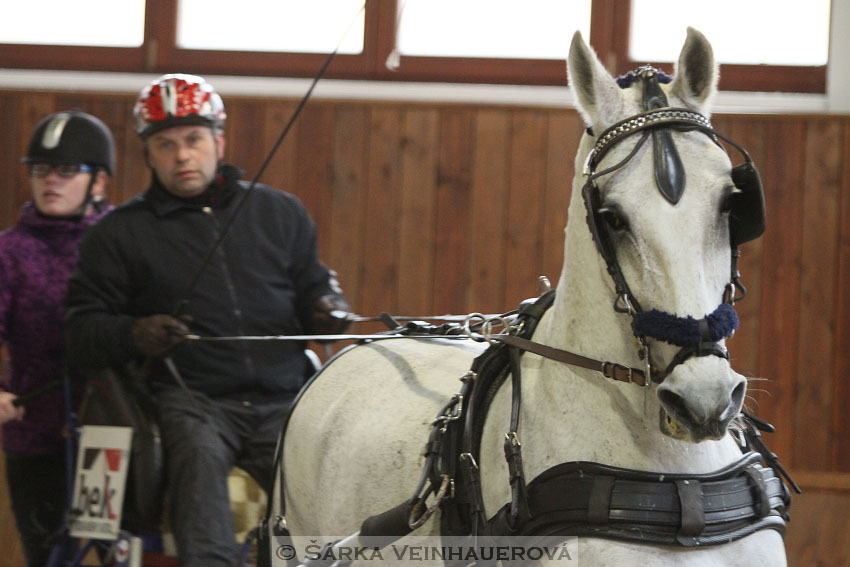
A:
(185, 158)
(62, 195)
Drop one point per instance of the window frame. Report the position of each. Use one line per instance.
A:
(159, 54)
(611, 37)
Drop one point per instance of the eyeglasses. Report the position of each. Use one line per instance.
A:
(64, 170)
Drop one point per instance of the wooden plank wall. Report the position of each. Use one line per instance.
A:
(430, 209)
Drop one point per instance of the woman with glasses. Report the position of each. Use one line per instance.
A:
(71, 157)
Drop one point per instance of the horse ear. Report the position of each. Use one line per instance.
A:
(598, 97)
(696, 73)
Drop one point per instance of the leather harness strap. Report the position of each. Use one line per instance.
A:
(692, 508)
(599, 502)
(610, 370)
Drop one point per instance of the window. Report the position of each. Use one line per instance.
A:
(628, 34)
(799, 31)
(472, 41)
(286, 25)
(532, 29)
(59, 22)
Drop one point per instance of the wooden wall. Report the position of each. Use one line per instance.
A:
(431, 209)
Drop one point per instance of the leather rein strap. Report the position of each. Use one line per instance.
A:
(610, 370)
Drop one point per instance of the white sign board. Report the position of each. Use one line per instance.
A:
(102, 463)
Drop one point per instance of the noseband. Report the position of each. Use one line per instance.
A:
(696, 337)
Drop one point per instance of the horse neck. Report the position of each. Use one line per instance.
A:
(582, 318)
(622, 421)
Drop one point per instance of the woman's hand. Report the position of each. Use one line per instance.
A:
(8, 410)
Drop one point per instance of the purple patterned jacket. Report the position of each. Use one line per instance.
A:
(36, 259)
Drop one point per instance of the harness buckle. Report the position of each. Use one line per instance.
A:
(470, 458)
(646, 356)
(469, 376)
(623, 305)
(609, 370)
(456, 408)
(451, 413)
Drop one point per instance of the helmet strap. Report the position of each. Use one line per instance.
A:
(97, 203)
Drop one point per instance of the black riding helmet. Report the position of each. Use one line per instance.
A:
(72, 137)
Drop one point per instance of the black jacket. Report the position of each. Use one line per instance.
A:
(141, 259)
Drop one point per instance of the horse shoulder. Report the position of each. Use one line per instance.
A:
(354, 440)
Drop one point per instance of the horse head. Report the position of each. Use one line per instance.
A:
(666, 211)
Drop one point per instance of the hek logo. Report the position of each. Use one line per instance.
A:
(95, 496)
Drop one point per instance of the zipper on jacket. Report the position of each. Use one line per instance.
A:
(231, 289)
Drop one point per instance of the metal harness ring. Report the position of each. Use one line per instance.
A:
(487, 328)
(438, 497)
(467, 322)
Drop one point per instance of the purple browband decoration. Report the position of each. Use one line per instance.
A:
(686, 331)
(627, 80)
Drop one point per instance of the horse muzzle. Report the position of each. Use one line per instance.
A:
(699, 399)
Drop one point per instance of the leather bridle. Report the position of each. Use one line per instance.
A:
(657, 121)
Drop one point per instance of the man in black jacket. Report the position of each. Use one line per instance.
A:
(140, 287)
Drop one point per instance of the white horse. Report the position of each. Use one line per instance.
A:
(353, 446)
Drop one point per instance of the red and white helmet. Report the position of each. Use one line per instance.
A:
(177, 100)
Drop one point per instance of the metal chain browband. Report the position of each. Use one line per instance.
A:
(649, 119)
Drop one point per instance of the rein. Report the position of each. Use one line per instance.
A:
(610, 370)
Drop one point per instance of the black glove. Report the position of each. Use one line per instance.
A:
(330, 315)
(157, 334)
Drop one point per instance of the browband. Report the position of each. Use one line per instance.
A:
(643, 121)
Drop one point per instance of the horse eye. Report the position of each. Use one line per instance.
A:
(613, 220)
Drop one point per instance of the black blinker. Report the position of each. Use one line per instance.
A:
(746, 213)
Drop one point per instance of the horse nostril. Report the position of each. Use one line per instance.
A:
(673, 403)
(737, 397)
